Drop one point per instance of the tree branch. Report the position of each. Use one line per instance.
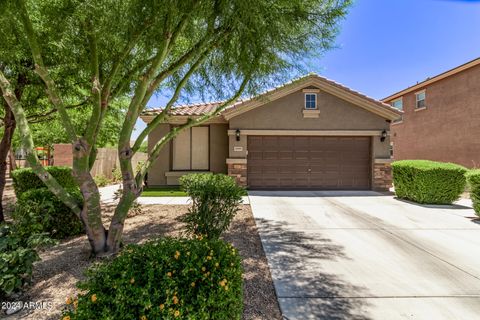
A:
(190, 123)
(96, 117)
(160, 117)
(27, 142)
(42, 71)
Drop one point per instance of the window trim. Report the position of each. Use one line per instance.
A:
(424, 99)
(305, 101)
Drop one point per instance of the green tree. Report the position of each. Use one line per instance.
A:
(216, 48)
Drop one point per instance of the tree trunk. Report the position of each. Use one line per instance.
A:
(5, 146)
(131, 191)
(91, 214)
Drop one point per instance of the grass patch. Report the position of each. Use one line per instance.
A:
(169, 191)
(164, 191)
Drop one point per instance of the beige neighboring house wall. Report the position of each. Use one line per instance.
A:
(280, 112)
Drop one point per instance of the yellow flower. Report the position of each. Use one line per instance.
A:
(69, 300)
(203, 269)
(226, 288)
(222, 283)
(188, 253)
(193, 284)
(169, 274)
(66, 318)
(177, 313)
(94, 298)
(175, 300)
(132, 281)
(216, 264)
(143, 318)
(162, 306)
(177, 255)
(199, 237)
(209, 258)
(75, 303)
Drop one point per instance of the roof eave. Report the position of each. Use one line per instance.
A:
(434, 79)
(373, 106)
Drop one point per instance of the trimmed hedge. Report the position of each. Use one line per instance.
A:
(431, 182)
(39, 210)
(473, 179)
(163, 279)
(25, 179)
(215, 201)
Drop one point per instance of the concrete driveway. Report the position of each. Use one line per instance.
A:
(364, 255)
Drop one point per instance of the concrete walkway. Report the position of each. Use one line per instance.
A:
(364, 255)
(107, 196)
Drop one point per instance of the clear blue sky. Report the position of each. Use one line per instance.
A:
(387, 45)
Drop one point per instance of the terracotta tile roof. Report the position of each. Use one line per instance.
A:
(194, 109)
(197, 109)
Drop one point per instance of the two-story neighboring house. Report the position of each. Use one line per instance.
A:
(441, 119)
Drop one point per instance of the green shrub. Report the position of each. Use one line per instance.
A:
(163, 279)
(425, 181)
(25, 179)
(473, 179)
(215, 201)
(117, 175)
(17, 255)
(101, 180)
(41, 211)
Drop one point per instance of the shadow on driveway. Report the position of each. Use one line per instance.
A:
(304, 290)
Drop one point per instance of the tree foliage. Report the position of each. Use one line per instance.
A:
(98, 51)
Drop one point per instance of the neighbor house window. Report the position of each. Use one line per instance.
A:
(398, 104)
(420, 98)
(191, 149)
(310, 101)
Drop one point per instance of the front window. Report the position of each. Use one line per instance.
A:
(310, 101)
(398, 104)
(420, 100)
(191, 149)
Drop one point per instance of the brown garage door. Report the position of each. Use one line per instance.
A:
(297, 162)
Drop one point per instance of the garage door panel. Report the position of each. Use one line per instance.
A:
(297, 162)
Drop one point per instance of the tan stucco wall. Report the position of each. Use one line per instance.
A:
(156, 175)
(282, 114)
(218, 148)
(286, 114)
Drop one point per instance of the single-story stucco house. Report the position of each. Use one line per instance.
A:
(310, 133)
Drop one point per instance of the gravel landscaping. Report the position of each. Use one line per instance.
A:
(62, 266)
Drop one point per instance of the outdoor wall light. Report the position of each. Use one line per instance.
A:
(237, 134)
(384, 135)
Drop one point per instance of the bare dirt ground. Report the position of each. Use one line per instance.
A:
(63, 265)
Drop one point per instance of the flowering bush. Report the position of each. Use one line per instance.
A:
(215, 201)
(163, 279)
